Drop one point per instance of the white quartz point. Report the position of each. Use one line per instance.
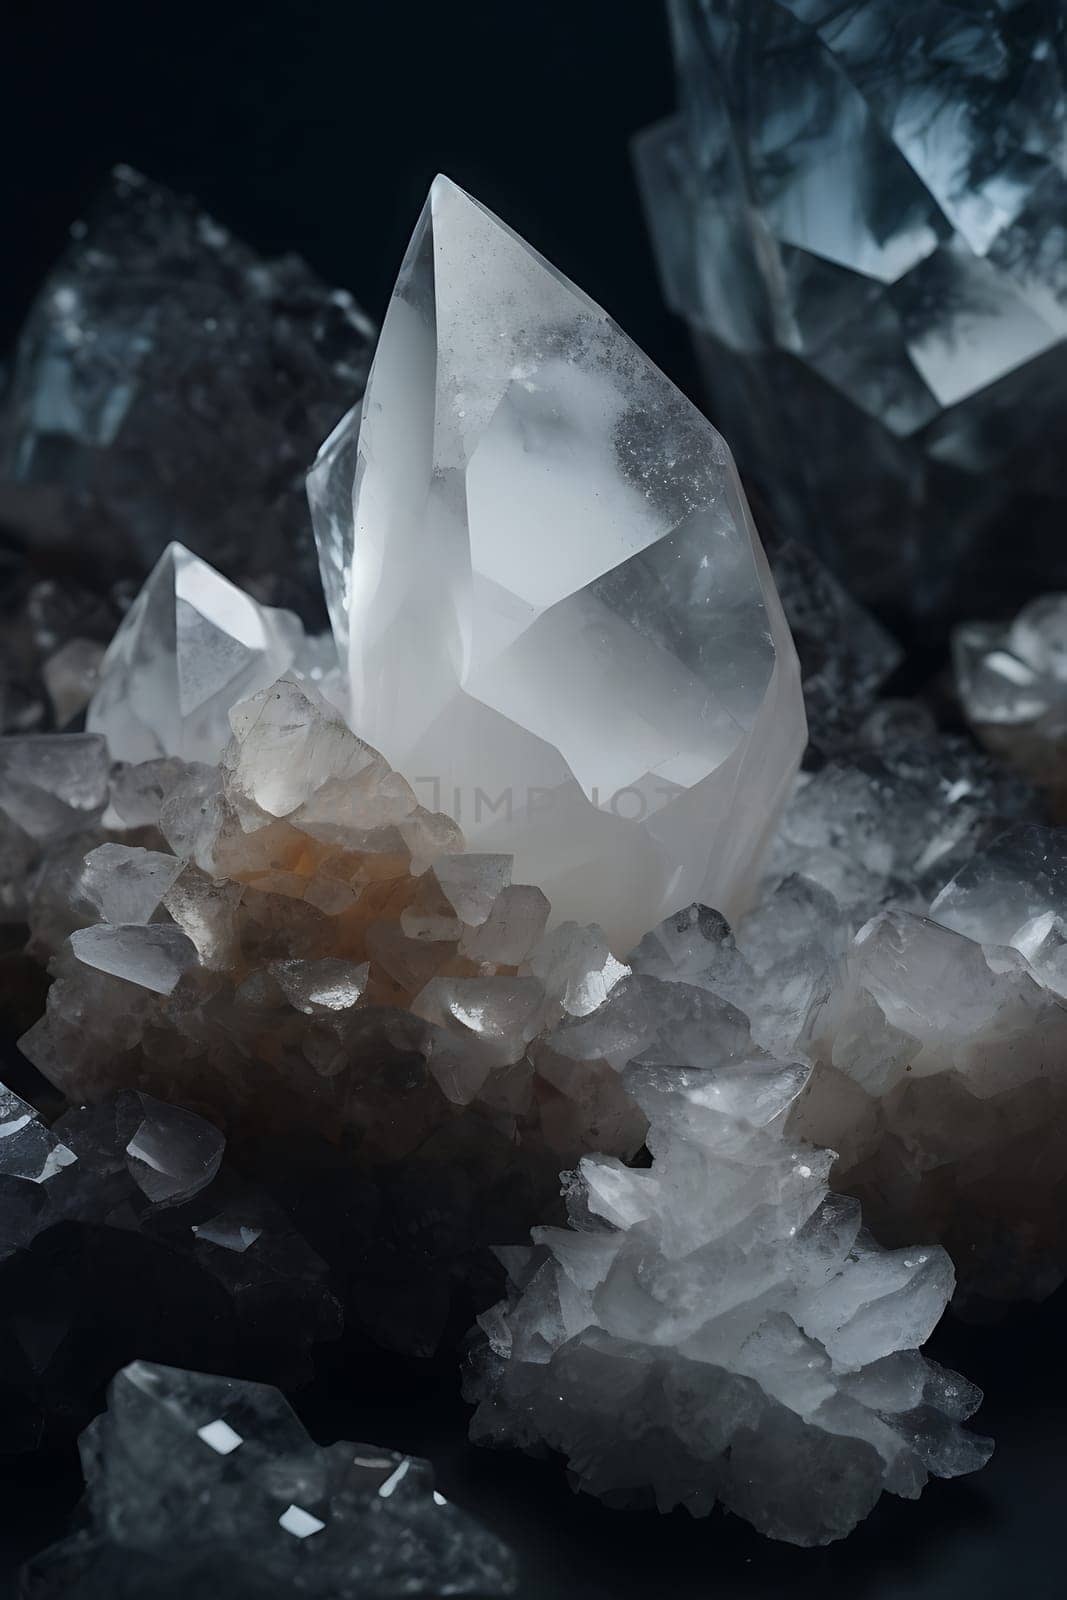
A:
(558, 619)
(191, 645)
(153, 957)
(126, 884)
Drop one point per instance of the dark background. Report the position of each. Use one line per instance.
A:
(317, 127)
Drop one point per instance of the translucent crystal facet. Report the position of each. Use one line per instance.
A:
(860, 212)
(557, 617)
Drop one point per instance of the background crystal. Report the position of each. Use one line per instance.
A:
(1011, 679)
(860, 211)
(200, 1485)
(168, 385)
(124, 1230)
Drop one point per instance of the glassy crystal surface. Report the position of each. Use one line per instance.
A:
(557, 617)
(860, 211)
(200, 1486)
(1011, 679)
(169, 384)
(718, 1327)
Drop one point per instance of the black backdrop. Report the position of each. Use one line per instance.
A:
(317, 127)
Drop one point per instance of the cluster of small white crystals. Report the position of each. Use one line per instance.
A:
(917, 963)
(290, 932)
(718, 1327)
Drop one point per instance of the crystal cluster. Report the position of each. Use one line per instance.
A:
(1012, 683)
(201, 1486)
(133, 1191)
(551, 615)
(168, 385)
(718, 1327)
(859, 209)
(544, 580)
(907, 945)
(282, 956)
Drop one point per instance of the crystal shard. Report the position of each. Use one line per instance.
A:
(199, 1486)
(556, 613)
(859, 210)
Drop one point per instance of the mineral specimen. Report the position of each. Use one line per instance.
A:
(1012, 683)
(718, 1327)
(557, 617)
(202, 1486)
(355, 1017)
(170, 385)
(860, 212)
(133, 1191)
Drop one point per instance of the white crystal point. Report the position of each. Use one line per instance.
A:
(191, 645)
(558, 615)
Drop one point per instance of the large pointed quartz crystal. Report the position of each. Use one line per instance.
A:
(558, 620)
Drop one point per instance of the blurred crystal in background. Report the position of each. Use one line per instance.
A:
(861, 210)
(168, 385)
